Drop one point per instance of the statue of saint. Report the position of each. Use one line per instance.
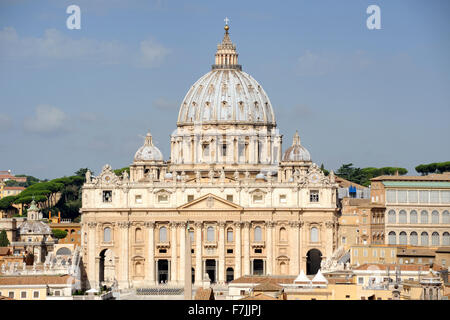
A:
(88, 176)
(236, 175)
(125, 175)
(197, 176)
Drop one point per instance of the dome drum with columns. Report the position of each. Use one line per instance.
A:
(228, 177)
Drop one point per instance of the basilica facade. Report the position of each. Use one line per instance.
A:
(227, 203)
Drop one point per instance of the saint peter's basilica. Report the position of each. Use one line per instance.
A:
(227, 191)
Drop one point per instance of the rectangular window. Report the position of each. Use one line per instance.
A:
(224, 150)
(423, 196)
(138, 199)
(382, 253)
(443, 262)
(258, 250)
(107, 196)
(392, 253)
(419, 260)
(343, 239)
(11, 294)
(23, 295)
(229, 250)
(205, 148)
(365, 252)
(391, 196)
(374, 252)
(283, 198)
(355, 252)
(190, 197)
(401, 196)
(230, 197)
(314, 196)
(412, 196)
(364, 220)
(36, 294)
(257, 198)
(360, 280)
(434, 196)
(163, 198)
(347, 297)
(445, 196)
(57, 293)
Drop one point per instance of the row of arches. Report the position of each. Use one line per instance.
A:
(436, 218)
(414, 238)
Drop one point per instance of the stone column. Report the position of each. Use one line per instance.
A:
(270, 246)
(329, 238)
(300, 247)
(237, 243)
(198, 254)
(182, 234)
(221, 269)
(124, 277)
(173, 247)
(246, 248)
(296, 246)
(92, 272)
(151, 253)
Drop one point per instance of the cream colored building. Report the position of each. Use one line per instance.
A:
(417, 208)
(247, 207)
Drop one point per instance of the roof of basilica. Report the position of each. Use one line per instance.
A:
(226, 94)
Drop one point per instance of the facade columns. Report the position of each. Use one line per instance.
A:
(295, 225)
(329, 235)
(221, 270)
(269, 232)
(237, 242)
(91, 254)
(173, 247)
(151, 252)
(181, 272)
(198, 254)
(124, 276)
(246, 248)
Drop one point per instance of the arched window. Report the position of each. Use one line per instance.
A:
(413, 216)
(191, 235)
(445, 217)
(446, 239)
(413, 238)
(107, 234)
(424, 239)
(314, 234)
(424, 216)
(402, 216)
(162, 234)
(403, 238)
(435, 217)
(230, 235)
(391, 216)
(392, 237)
(210, 234)
(283, 234)
(258, 234)
(435, 239)
(138, 235)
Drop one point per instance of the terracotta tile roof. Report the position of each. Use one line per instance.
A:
(261, 279)
(259, 296)
(5, 298)
(4, 251)
(343, 183)
(35, 280)
(403, 267)
(204, 294)
(267, 286)
(430, 177)
(14, 188)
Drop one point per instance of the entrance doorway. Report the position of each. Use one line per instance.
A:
(163, 271)
(258, 267)
(313, 259)
(210, 268)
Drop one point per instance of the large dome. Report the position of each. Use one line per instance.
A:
(226, 94)
(296, 152)
(148, 152)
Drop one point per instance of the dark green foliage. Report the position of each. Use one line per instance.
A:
(30, 181)
(4, 242)
(60, 234)
(325, 171)
(118, 172)
(435, 167)
(363, 176)
(6, 202)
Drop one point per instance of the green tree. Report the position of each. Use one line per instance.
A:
(59, 234)
(6, 202)
(118, 172)
(325, 171)
(4, 242)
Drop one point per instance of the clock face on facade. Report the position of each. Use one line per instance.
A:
(314, 178)
(107, 178)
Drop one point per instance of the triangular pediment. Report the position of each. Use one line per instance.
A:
(210, 202)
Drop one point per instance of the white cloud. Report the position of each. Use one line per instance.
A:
(56, 46)
(5, 122)
(47, 119)
(151, 53)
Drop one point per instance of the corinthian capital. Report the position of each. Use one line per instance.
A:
(294, 224)
(198, 224)
(237, 224)
(222, 224)
(149, 224)
(270, 224)
(329, 224)
(92, 224)
(124, 224)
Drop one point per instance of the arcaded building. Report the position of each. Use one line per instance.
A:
(228, 191)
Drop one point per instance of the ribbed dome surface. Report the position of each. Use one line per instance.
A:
(226, 96)
(296, 152)
(148, 152)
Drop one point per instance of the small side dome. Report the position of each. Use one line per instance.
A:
(296, 152)
(260, 176)
(148, 152)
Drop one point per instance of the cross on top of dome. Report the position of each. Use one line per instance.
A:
(226, 55)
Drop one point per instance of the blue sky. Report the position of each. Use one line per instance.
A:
(84, 98)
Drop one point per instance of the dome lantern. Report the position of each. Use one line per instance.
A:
(226, 55)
